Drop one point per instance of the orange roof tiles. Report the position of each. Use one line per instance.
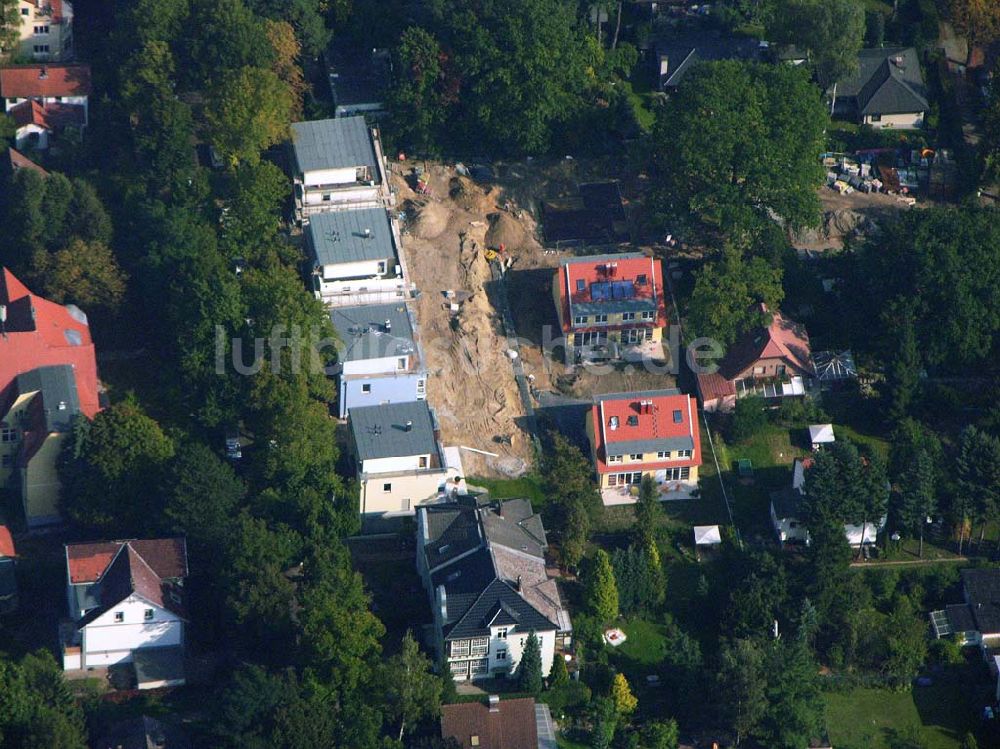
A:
(645, 422)
(44, 80)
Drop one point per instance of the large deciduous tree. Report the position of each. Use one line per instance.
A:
(523, 68)
(249, 111)
(413, 691)
(979, 20)
(421, 96)
(736, 147)
(831, 32)
(728, 293)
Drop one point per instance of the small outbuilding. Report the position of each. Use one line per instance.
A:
(821, 434)
(707, 535)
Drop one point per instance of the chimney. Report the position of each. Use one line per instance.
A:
(43, 73)
(388, 326)
(409, 426)
(518, 583)
(494, 703)
(368, 233)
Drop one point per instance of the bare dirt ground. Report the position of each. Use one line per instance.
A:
(471, 385)
(447, 234)
(846, 216)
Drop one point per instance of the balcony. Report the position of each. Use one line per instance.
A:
(629, 495)
(772, 387)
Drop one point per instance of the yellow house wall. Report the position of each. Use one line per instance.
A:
(13, 418)
(624, 468)
(40, 490)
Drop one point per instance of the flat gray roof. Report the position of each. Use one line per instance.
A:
(364, 333)
(381, 431)
(333, 144)
(351, 236)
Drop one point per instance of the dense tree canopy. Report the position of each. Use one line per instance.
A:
(944, 265)
(830, 32)
(736, 146)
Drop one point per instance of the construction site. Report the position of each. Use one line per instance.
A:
(459, 236)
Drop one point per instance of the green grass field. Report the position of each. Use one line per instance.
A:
(933, 717)
(529, 486)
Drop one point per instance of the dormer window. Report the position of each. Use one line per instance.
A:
(119, 617)
(581, 285)
(613, 423)
(678, 417)
(640, 280)
(633, 420)
(501, 635)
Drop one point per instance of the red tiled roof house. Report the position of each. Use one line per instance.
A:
(44, 99)
(125, 601)
(48, 378)
(771, 362)
(611, 306)
(653, 433)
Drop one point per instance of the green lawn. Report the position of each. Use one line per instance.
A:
(644, 643)
(529, 486)
(934, 717)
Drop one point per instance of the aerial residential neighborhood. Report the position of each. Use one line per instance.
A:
(531, 374)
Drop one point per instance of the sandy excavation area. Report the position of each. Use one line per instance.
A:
(471, 387)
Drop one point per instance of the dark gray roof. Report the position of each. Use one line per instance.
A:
(364, 335)
(158, 664)
(142, 732)
(498, 603)
(452, 530)
(960, 618)
(381, 431)
(684, 51)
(333, 144)
(464, 581)
(636, 396)
(631, 447)
(888, 81)
(57, 387)
(358, 76)
(787, 504)
(351, 236)
(982, 590)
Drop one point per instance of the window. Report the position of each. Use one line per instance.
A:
(8, 434)
(640, 280)
(24, 11)
(41, 29)
(41, 49)
(421, 388)
(635, 456)
(678, 417)
(758, 370)
(627, 316)
(460, 668)
(684, 454)
(387, 488)
(648, 315)
(401, 362)
(501, 655)
(876, 118)
(779, 370)
(580, 320)
(624, 479)
(459, 648)
(480, 646)
(423, 461)
(501, 635)
(633, 420)
(613, 423)
(474, 740)
(635, 335)
(147, 615)
(593, 338)
(326, 197)
(119, 617)
(665, 454)
(600, 318)
(381, 266)
(614, 458)
(366, 387)
(678, 474)
(581, 284)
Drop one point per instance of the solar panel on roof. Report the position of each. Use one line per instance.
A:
(600, 291)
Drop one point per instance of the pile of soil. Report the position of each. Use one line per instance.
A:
(504, 230)
(469, 196)
(429, 218)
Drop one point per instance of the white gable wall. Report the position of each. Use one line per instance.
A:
(106, 641)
